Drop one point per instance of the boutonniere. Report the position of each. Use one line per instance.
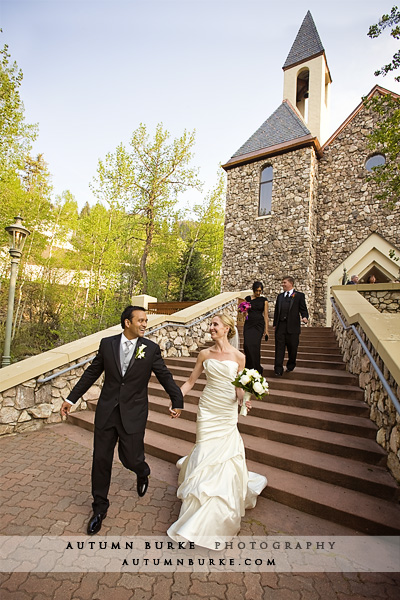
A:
(293, 295)
(140, 352)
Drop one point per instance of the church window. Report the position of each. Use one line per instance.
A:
(264, 207)
(376, 160)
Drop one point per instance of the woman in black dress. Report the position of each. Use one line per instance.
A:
(255, 327)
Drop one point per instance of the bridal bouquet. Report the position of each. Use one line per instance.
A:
(244, 307)
(251, 382)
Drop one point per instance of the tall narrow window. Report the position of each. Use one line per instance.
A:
(265, 192)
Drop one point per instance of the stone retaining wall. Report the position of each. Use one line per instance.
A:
(384, 301)
(382, 410)
(30, 405)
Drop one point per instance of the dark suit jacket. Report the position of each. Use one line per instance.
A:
(297, 308)
(130, 390)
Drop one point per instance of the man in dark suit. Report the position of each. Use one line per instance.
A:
(290, 306)
(121, 415)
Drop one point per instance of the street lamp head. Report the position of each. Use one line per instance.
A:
(18, 234)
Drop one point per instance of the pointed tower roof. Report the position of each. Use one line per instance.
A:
(306, 45)
(282, 126)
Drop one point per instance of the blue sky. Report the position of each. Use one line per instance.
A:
(94, 70)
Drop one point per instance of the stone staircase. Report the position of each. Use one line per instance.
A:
(311, 437)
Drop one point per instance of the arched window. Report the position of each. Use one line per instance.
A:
(376, 160)
(264, 207)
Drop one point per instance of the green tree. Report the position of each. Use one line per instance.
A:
(205, 235)
(195, 276)
(164, 264)
(16, 140)
(146, 179)
(16, 135)
(386, 135)
(392, 22)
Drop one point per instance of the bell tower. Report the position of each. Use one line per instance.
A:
(307, 79)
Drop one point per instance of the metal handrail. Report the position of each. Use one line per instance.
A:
(150, 332)
(385, 384)
(45, 379)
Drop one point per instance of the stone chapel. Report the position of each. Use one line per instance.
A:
(300, 204)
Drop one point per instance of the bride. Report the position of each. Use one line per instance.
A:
(214, 484)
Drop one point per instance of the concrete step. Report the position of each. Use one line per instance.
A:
(289, 384)
(326, 362)
(373, 516)
(342, 406)
(302, 438)
(336, 377)
(264, 409)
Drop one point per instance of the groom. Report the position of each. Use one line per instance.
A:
(127, 360)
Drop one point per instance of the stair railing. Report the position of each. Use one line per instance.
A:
(385, 384)
(150, 332)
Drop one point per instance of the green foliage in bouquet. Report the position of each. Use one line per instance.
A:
(252, 381)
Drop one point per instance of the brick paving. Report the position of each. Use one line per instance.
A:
(45, 482)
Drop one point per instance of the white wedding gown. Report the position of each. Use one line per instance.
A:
(215, 485)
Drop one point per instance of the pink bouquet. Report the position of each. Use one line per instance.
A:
(244, 307)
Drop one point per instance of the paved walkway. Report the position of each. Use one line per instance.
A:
(45, 482)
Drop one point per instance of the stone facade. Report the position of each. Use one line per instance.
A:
(382, 410)
(386, 301)
(347, 210)
(323, 208)
(30, 405)
(283, 243)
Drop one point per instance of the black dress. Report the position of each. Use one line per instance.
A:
(253, 330)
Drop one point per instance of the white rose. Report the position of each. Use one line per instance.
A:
(244, 380)
(258, 388)
(253, 373)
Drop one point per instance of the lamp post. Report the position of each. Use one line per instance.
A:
(18, 234)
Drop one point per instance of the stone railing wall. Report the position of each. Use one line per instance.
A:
(29, 405)
(175, 340)
(383, 300)
(382, 410)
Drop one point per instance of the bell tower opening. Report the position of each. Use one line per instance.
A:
(303, 92)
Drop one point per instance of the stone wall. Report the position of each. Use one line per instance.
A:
(386, 301)
(30, 405)
(283, 243)
(347, 210)
(382, 410)
(175, 340)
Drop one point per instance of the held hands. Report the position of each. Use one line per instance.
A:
(304, 320)
(174, 412)
(65, 408)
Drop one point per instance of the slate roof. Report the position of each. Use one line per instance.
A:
(282, 126)
(306, 44)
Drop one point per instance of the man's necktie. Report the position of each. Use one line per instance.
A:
(126, 361)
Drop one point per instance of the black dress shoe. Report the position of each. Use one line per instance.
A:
(278, 373)
(289, 370)
(95, 522)
(142, 485)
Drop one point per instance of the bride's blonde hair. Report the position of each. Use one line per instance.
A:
(228, 322)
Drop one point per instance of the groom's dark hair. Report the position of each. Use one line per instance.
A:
(127, 313)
